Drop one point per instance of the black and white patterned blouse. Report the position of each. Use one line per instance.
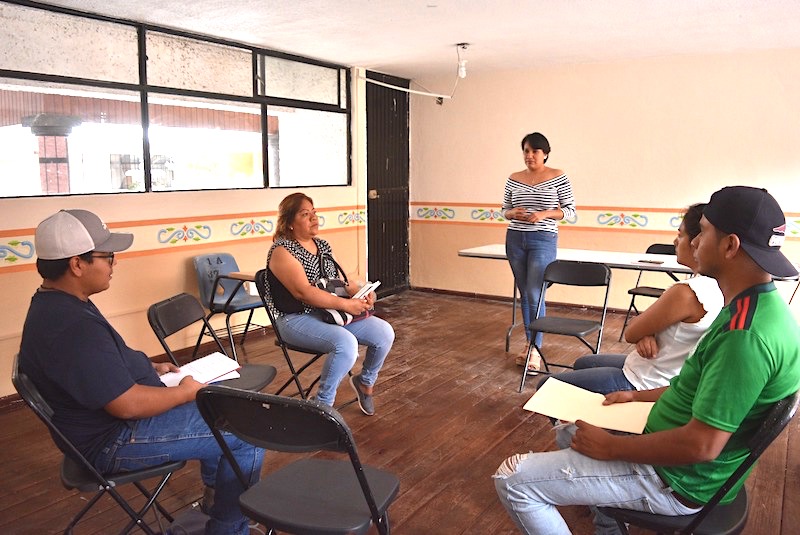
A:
(551, 194)
(279, 300)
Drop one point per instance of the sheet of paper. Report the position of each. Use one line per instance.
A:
(213, 367)
(568, 403)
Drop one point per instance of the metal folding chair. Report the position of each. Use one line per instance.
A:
(569, 273)
(78, 473)
(176, 313)
(311, 495)
(647, 291)
(713, 518)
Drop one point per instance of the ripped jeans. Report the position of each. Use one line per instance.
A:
(531, 485)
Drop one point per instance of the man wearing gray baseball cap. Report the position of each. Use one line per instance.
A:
(108, 398)
(700, 425)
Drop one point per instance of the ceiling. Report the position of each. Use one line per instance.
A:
(417, 38)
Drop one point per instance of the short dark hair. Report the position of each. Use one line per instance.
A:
(536, 140)
(691, 219)
(55, 269)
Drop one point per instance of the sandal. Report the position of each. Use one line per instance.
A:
(535, 363)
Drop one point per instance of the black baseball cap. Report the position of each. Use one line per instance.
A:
(756, 218)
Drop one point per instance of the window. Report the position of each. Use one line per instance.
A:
(205, 144)
(58, 140)
(72, 119)
(307, 147)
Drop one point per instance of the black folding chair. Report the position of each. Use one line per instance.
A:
(172, 315)
(647, 291)
(313, 355)
(78, 473)
(569, 273)
(715, 519)
(309, 496)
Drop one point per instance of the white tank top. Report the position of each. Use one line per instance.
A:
(676, 341)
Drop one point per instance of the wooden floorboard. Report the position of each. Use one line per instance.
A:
(448, 413)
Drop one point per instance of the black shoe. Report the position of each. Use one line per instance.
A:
(364, 400)
(207, 501)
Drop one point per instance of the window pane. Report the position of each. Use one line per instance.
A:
(306, 147)
(204, 144)
(190, 64)
(60, 139)
(301, 81)
(52, 43)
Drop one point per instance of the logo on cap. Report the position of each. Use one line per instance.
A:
(777, 239)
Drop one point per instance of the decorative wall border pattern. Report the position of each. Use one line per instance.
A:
(793, 227)
(587, 217)
(19, 250)
(12, 251)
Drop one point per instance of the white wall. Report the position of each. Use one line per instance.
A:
(642, 138)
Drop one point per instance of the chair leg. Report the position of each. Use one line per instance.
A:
(247, 325)
(383, 524)
(632, 306)
(230, 337)
(82, 512)
(137, 518)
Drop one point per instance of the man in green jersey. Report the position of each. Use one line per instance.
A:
(697, 432)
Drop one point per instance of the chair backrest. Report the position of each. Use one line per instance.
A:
(275, 423)
(280, 424)
(174, 314)
(577, 273)
(661, 248)
(209, 267)
(263, 291)
(775, 422)
(34, 399)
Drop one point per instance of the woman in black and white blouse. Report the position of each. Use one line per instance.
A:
(293, 268)
(534, 200)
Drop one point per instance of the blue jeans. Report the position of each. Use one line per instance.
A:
(529, 253)
(181, 434)
(531, 485)
(341, 344)
(598, 373)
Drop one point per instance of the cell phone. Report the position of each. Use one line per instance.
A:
(645, 261)
(366, 289)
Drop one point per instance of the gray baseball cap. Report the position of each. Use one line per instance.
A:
(71, 233)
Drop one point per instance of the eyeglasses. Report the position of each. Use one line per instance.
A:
(107, 256)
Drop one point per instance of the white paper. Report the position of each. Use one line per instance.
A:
(213, 367)
(569, 403)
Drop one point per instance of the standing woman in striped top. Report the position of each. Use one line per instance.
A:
(533, 201)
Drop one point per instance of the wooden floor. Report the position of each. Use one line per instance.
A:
(448, 413)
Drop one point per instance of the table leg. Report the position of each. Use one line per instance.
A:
(513, 317)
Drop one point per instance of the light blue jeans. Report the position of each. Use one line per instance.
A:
(341, 344)
(531, 485)
(181, 434)
(529, 254)
(597, 373)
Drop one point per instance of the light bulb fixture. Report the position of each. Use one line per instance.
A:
(462, 62)
(462, 68)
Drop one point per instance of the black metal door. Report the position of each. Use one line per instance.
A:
(387, 183)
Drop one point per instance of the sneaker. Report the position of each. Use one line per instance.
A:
(364, 400)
